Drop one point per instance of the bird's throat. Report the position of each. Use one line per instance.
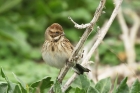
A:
(56, 39)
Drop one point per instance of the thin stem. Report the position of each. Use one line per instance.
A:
(103, 32)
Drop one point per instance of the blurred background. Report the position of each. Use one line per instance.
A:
(23, 24)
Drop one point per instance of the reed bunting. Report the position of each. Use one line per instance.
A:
(57, 49)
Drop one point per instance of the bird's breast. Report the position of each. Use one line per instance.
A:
(55, 54)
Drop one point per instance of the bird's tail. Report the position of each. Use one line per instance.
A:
(80, 69)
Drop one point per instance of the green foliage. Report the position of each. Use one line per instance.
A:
(3, 87)
(22, 27)
(115, 85)
(104, 85)
(27, 69)
(23, 23)
(83, 86)
(137, 52)
(111, 51)
(135, 87)
(20, 87)
(57, 87)
(11, 87)
(123, 88)
(42, 84)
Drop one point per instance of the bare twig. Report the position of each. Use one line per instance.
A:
(82, 26)
(129, 35)
(103, 32)
(81, 42)
(94, 20)
(84, 37)
(122, 70)
(136, 25)
(96, 63)
(99, 40)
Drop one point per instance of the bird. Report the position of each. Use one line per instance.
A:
(57, 49)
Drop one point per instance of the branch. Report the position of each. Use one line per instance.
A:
(98, 41)
(103, 32)
(97, 59)
(136, 24)
(129, 35)
(83, 39)
(82, 26)
(81, 42)
(122, 70)
(93, 21)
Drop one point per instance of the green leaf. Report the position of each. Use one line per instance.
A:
(12, 87)
(57, 87)
(84, 82)
(81, 83)
(123, 88)
(32, 90)
(70, 90)
(135, 87)
(3, 87)
(78, 90)
(17, 89)
(92, 90)
(104, 85)
(3, 75)
(23, 86)
(115, 85)
(42, 84)
(8, 5)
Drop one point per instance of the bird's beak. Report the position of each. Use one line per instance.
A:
(63, 34)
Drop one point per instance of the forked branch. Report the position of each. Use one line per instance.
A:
(81, 42)
(103, 32)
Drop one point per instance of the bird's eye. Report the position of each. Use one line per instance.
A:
(57, 32)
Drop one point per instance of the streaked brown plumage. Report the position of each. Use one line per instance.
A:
(57, 49)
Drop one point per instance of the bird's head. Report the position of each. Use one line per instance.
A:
(54, 32)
